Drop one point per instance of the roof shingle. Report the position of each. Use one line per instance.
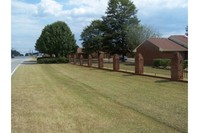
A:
(180, 39)
(165, 44)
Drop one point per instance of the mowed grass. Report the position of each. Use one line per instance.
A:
(64, 98)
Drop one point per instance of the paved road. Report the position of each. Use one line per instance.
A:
(15, 62)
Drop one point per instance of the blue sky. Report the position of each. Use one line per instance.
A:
(28, 17)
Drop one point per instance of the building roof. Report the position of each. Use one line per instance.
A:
(180, 39)
(164, 44)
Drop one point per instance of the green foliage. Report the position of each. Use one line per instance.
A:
(166, 62)
(119, 15)
(185, 64)
(186, 29)
(161, 62)
(92, 37)
(56, 39)
(49, 60)
(15, 53)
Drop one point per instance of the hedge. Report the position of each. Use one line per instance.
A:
(166, 62)
(161, 62)
(185, 64)
(50, 60)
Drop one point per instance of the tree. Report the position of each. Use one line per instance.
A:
(92, 37)
(186, 29)
(56, 39)
(120, 15)
(15, 53)
(137, 34)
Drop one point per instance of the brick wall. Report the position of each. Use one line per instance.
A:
(150, 52)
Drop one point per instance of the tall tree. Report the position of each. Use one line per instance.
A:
(186, 29)
(119, 15)
(136, 34)
(15, 53)
(42, 43)
(56, 39)
(92, 37)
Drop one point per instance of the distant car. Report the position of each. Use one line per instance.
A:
(12, 56)
(125, 58)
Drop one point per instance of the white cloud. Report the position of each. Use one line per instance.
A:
(148, 7)
(75, 8)
(29, 19)
(160, 4)
(50, 7)
(96, 7)
(19, 7)
(102, 3)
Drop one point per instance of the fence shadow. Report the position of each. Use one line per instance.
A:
(163, 81)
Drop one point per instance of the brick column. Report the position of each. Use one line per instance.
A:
(139, 63)
(81, 59)
(116, 64)
(177, 66)
(89, 60)
(69, 58)
(74, 58)
(100, 60)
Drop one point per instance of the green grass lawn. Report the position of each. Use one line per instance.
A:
(64, 98)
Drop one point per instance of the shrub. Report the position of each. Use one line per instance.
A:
(156, 63)
(49, 60)
(185, 64)
(161, 62)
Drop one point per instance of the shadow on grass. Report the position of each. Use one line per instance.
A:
(163, 81)
(127, 75)
(128, 63)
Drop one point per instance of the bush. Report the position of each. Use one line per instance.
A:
(49, 60)
(185, 64)
(161, 62)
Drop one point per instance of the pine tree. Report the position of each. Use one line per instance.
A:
(120, 15)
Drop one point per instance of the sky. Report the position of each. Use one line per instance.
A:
(29, 17)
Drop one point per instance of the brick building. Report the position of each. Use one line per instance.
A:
(154, 48)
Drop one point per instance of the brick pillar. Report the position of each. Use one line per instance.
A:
(81, 59)
(139, 63)
(177, 66)
(74, 58)
(116, 64)
(69, 58)
(89, 60)
(100, 60)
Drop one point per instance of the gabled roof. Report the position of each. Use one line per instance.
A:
(180, 39)
(164, 44)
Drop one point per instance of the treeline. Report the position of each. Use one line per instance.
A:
(15, 53)
(117, 32)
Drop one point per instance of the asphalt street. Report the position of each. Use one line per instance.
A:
(16, 61)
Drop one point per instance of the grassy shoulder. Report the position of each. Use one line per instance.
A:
(68, 98)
